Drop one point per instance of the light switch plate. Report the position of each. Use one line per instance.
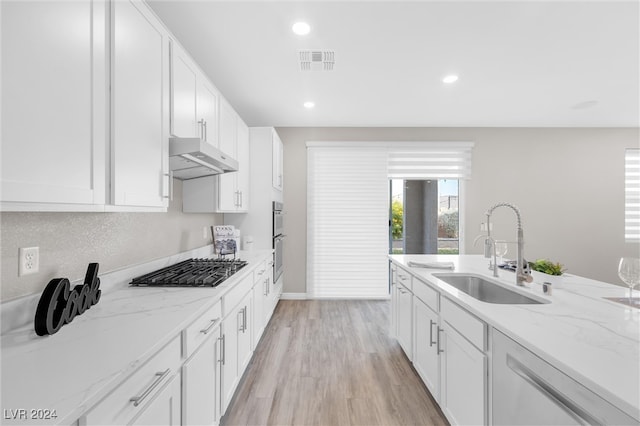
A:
(28, 260)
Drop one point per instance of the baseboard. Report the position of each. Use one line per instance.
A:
(293, 296)
(306, 296)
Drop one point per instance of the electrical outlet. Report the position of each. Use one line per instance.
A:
(29, 260)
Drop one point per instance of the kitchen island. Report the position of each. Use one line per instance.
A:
(591, 340)
(73, 376)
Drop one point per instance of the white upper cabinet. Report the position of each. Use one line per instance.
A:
(85, 106)
(194, 99)
(139, 102)
(233, 188)
(207, 111)
(54, 100)
(277, 161)
(228, 192)
(183, 93)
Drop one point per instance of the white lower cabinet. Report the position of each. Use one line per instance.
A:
(148, 396)
(201, 383)
(260, 311)
(164, 409)
(426, 358)
(463, 369)
(446, 344)
(405, 320)
(193, 378)
(236, 347)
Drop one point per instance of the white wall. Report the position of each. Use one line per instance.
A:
(568, 184)
(70, 241)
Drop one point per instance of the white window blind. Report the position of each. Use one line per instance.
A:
(347, 222)
(435, 160)
(632, 195)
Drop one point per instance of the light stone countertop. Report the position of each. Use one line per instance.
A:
(75, 368)
(593, 340)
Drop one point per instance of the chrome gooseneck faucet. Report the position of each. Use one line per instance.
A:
(523, 273)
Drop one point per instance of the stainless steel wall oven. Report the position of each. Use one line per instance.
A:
(278, 240)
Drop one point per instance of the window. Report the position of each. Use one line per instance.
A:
(348, 201)
(425, 216)
(632, 195)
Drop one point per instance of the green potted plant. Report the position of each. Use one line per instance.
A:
(547, 271)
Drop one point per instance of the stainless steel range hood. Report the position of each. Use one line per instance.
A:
(191, 158)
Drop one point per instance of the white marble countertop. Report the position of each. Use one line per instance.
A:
(75, 368)
(591, 339)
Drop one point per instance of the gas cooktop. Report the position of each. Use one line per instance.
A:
(192, 273)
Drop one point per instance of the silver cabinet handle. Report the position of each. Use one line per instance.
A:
(431, 324)
(137, 400)
(438, 345)
(578, 413)
(244, 320)
(241, 315)
(205, 132)
(266, 287)
(210, 327)
(170, 176)
(241, 198)
(201, 123)
(223, 350)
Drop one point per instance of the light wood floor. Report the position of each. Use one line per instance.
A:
(331, 363)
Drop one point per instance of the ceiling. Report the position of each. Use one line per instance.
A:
(520, 64)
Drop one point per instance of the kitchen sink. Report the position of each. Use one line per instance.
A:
(485, 290)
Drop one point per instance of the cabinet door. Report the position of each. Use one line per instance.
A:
(207, 111)
(463, 372)
(244, 169)
(228, 194)
(405, 320)
(139, 107)
(183, 94)
(200, 384)
(165, 407)
(394, 301)
(425, 354)
(277, 160)
(244, 333)
(229, 350)
(54, 100)
(259, 299)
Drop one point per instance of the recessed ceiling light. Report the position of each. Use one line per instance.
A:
(309, 104)
(301, 28)
(450, 79)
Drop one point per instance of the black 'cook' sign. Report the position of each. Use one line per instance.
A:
(59, 305)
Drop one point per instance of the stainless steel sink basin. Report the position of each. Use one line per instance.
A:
(485, 290)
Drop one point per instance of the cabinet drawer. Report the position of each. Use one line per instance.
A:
(425, 293)
(259, 272)
(235, 295)
(197, 332)
(466, 324)
(404, 278)
(119, 407)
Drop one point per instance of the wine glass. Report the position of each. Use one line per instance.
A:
(629, 273)
(501, 249)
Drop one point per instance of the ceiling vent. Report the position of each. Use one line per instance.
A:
(316, 60)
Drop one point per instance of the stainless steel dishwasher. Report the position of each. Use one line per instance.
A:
(529, 391)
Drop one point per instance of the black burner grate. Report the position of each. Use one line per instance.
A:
(192, 272)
